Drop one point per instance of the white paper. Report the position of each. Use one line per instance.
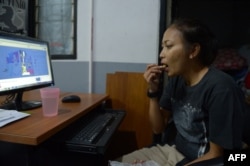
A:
(8, 116)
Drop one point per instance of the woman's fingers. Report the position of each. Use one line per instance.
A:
(138, 161)
(152, 76)
(153, 72)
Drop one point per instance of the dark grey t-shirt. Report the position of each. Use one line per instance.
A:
(211, 110)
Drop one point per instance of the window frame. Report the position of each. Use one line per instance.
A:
(33, 30)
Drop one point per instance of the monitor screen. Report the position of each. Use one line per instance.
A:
(25, 64)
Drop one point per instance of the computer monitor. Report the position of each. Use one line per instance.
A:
(25, 64)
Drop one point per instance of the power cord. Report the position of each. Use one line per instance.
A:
(9, 98)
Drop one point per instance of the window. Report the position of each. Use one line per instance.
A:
(55, 22)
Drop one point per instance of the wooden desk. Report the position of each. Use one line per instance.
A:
(35, 129)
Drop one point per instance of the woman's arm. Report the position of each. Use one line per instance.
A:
(157, 116)
(214, 151)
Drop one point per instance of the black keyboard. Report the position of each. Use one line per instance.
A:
(91, 133)
(93, 127)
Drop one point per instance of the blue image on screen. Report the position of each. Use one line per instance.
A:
(16, 63)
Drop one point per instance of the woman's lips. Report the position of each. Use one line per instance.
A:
(164, 67)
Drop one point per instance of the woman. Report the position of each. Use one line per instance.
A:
(205, 104)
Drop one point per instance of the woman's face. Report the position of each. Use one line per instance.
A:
(174, 52)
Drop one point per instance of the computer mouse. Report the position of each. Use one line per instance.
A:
(71, 99)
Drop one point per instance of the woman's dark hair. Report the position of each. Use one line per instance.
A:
(194, 31)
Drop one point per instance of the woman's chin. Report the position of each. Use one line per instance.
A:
(170, 74)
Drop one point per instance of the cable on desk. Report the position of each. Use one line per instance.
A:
(9, 98)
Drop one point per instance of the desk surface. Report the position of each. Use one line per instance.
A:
(35, 129)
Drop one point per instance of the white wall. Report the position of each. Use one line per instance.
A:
(126, 30)
(112, 35)
(84, 15)
(123, 30)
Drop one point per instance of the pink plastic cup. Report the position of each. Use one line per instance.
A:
(50, 101)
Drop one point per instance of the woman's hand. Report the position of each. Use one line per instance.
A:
(152, 76)
(138, 162)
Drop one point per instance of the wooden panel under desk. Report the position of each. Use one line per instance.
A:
(35, 129)
(127, 90)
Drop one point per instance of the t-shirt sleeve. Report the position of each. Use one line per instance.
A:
(225, 108)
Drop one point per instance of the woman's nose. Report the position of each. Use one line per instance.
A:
(162, 54)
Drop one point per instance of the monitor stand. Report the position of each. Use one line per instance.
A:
(20, 105)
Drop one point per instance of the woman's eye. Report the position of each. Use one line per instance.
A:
(168, 46)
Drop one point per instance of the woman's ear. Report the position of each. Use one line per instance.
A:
(195, 50)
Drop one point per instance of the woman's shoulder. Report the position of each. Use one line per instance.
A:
(218, 75)
(219, 78)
